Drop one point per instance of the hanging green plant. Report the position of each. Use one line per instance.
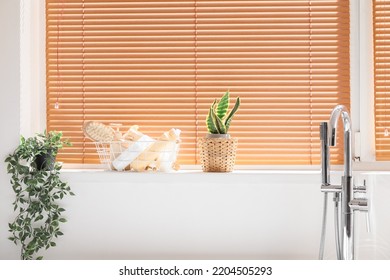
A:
(38, 188)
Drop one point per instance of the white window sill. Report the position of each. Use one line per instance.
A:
(245, 169)
(185, 177)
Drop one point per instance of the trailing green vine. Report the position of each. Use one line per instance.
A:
(38, 190)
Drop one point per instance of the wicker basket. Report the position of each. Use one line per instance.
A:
(139, 156)
(217, 154)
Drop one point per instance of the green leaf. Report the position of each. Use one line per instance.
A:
(62, 220)
(40, 258)
(218, 123)
(40, 217)
(223, 106)
(231, 114)
(210, 122)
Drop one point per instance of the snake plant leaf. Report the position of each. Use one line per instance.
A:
(209, 120)
(231, 114)
(223, 105)
(218, 123)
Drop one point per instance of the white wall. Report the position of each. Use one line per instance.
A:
(9, 111)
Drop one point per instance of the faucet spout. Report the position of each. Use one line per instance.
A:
(341, 110)
(334, 117)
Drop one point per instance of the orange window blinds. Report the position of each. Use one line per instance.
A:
(160, 64)
(381, 20)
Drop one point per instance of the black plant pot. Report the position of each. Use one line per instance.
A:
(45, 161)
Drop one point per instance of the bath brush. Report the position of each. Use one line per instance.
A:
(98, 132)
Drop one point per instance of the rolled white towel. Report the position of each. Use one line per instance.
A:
(132, 152)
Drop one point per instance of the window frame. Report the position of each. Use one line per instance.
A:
(364, 79)
(362, 86)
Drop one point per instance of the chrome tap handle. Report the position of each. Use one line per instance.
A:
(360, 189)
(368, 212)
(362, 204)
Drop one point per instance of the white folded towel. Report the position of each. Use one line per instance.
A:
(132, 152)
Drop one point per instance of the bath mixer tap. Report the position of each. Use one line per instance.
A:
(345, 191)
(347, 234)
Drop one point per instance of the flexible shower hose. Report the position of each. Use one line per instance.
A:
(323, 231)
(336, 226)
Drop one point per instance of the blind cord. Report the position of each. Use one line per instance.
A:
(59, 76)
(196, 79)
(310, 84)
(386, 131)
(83, 74)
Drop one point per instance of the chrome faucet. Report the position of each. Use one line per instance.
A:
(345, 191)
(334, 117)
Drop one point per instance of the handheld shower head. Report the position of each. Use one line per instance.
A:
(325, 172)
(324, 131)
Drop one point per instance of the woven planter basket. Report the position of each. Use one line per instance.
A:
(217, 154)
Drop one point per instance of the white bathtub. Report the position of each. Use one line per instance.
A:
(195, 215)
(375, 244)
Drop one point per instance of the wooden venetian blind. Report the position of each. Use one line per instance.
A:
(381, 20)
(160, 64)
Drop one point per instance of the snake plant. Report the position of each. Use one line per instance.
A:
(218, 120)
